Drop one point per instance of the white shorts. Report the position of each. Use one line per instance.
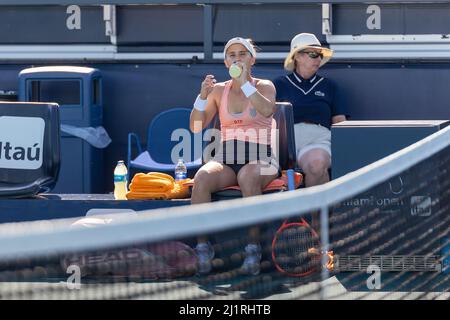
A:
(310, 136)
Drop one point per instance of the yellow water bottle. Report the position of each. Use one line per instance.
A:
(120, 181)
(235, 70)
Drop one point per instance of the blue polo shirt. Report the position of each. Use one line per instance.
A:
(313, 100)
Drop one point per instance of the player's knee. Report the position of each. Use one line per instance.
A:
(249, 181)
(202, 181)
(317, 167)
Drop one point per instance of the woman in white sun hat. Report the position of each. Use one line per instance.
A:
(314, 101)
(245, 105)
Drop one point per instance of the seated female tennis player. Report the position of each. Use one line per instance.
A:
(245, 106)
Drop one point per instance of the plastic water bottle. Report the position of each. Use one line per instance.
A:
(180, 170)
(120, 181)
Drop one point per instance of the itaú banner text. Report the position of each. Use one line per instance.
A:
(21, 142)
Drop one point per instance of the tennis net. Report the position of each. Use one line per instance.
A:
(383, 234)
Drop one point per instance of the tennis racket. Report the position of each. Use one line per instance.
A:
(296, 249)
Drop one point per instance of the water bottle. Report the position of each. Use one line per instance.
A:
(120, 181)
(235, 70)
(180, 170)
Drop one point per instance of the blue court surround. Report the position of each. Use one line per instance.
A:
(57, 206)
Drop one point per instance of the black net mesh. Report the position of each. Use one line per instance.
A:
(388, 242)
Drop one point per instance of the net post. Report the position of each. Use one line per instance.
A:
(325, 241)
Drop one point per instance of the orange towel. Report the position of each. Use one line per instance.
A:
(157, 185)
(179, 191)
(298, 178)
(147, 195)
(152, 175)
(277, 184)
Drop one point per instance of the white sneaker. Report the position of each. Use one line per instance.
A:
(251, 265)
(205, 254)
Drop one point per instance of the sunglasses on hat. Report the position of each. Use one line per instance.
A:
(313, 54)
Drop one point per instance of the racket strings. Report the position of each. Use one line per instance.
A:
(293, 252)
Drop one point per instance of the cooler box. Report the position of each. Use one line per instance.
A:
(355, 144)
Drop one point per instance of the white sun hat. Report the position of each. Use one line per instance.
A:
(303, 41)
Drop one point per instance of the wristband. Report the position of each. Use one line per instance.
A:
(248, 89)
(200, 104)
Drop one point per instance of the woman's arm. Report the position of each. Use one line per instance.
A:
(338, 118)
(203, 113)
(264, 99)
(262, 96)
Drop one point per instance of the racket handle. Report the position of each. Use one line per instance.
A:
(313, 251)
(290, 177)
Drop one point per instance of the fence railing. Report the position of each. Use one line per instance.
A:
(364, 31)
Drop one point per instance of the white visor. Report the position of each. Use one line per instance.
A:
(242, 41)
